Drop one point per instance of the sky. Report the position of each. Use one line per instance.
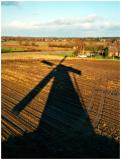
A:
(60, 18)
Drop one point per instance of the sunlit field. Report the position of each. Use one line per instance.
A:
(56, 105)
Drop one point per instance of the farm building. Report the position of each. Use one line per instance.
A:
(113, 51)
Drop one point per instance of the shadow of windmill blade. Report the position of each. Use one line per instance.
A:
(28, 98)
(46, 62)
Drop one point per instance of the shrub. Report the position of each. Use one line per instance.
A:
(105, 52)
(75, 53)
(5, 50)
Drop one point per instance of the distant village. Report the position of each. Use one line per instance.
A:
(81, 46)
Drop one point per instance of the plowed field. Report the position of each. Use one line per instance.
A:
(60, 108)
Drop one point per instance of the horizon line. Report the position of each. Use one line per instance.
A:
(63, 37)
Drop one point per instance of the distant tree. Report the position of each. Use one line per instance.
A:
(33, 44)
(105, 52)
(113, 40)
(20, 42)
(79, 46)
(75, 53)
(27, 43)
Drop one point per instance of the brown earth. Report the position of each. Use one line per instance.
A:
(54, 108)
(40, 46)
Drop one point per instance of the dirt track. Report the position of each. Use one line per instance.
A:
(63, 104)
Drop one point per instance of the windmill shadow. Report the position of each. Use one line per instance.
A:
(64, 130)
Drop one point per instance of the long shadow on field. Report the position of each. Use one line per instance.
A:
(65, 130)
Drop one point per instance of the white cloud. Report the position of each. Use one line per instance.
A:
(90, 18)
(110, 25)
(22, 25)
(51, 24)
(90, 22)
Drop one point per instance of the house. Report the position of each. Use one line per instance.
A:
(113, 51)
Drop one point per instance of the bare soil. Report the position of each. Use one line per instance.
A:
(60, 108)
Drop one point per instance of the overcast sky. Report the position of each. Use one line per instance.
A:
(61, 19)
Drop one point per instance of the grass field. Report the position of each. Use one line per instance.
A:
(59, 107)
(106, 58)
